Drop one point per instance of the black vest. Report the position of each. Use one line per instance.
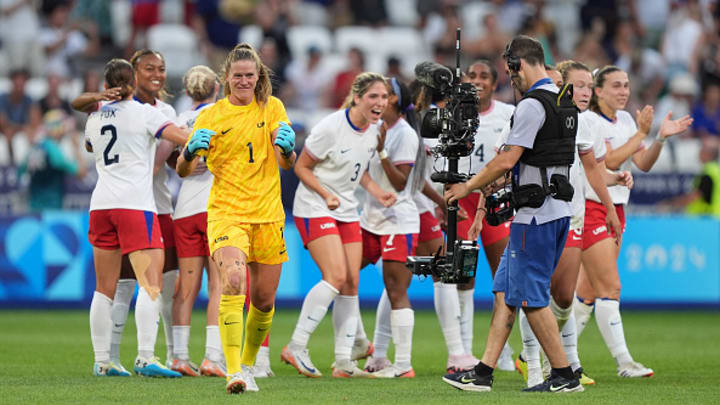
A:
(555, 142)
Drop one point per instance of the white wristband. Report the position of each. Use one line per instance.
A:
(383, 154)
(660, 139)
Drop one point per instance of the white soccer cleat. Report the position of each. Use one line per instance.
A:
(116, 363)
(362, 349)
(505, 361)
(109, 369)
(374, 364)
(348, 369)
(262, 364)
(300, 359)
(249, 377)
(235, 384)
(393, 371)
(634, 369)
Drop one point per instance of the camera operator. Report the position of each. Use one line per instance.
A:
(539, 151)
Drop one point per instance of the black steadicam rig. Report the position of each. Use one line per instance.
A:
(454, 126)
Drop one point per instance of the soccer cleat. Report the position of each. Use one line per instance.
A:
(213, 368)
(301, 361)
(110, 369)
(460, 363)
(235, 383)
(522, 367)
(469, 381)
(634, 369)
(153, 368)
(584, 379)
(393, 371)
(185, 367)
(348, 369)
(374, 364)
(362, 349)
(249, 377)
(262, 364)
(505, 361)
(557, 384)
(120, 367)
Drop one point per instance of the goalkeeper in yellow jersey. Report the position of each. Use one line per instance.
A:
(244, 138)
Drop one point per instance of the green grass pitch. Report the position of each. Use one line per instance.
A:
(46, 358)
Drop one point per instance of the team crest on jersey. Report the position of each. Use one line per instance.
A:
(261, 124)
(220, 239)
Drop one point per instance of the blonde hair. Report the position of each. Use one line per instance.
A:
(567, 66)
(245, 51)
(360, 86)
(199, 82)
(135, 61)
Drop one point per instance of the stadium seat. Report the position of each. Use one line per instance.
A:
(301, 37)
(471, 15)
(120, 12)
(353, 36)
(36, 88)
(400, 41)
(252, 34)
(402, 12)
(178, 44)
(172, 11)
(4, 151)
(687, 152)
(309, 13)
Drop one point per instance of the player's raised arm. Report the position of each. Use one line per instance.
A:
(284, 145)
(199, 141)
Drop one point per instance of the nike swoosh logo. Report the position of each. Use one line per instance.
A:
(388, 249)
(558, 388)
(282, 251)
(349, 336)
(230, 323)
(564, 335)
(262, 330)
(118, 325)
(346, 150)
(261, 124)
(310, 369)
(528, 341)
(576, 238)
(312, 319)
(616, 323)
(463, 380)
(225, 131)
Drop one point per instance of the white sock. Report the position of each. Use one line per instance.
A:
(383, 331)
(582, 312)
(213, 347)
(531, 347)
(402, 322)
(561, 314)
(181, 339)
(447, 308)
(313, 311)
(147, 316)
(344, 319)
(607, 316)
(120, 307)
(166, 307)
(467, 313)
(100, 326)
(360, 335)
(263, 356)
(568, 334)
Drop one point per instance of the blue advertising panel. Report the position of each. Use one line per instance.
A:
(46, 260)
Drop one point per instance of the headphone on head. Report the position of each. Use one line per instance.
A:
(513, 61)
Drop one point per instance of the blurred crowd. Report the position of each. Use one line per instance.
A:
(52, 50)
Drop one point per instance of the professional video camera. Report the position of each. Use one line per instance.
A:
(454, 126)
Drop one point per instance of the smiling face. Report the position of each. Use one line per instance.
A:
(480, 75)
(242, 77)
(615, 90)
(582, 87)
(150, 75)
(372, 103)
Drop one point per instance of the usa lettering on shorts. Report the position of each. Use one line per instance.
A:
(597, 231)
(327, 225)
(435, 228)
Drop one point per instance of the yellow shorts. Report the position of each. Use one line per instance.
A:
(261, 243)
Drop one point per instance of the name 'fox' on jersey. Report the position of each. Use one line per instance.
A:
(343, 153)
(122, 135)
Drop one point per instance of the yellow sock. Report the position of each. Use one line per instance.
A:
(257, 327)
(230, 324)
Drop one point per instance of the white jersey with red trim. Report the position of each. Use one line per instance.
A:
(423, 203)
(584, 143)
(494, 123)
(401, 145)
(616, 133)
(195, 189)
(342, 152)
(163, 198)
(122, 135)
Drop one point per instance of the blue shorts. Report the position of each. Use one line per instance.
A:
(528, 263)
